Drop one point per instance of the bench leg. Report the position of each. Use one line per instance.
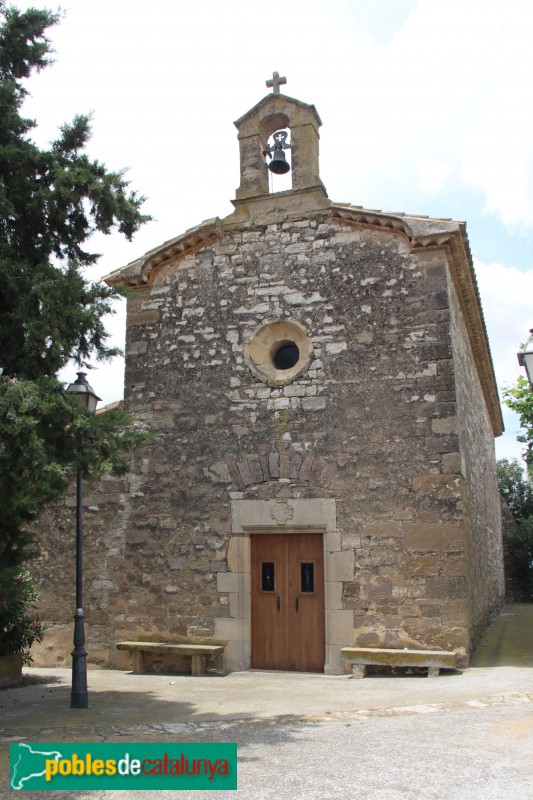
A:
(433, 672)
(198, 665)
(138, 662)
(359, 670)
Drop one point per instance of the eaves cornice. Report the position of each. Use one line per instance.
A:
(140, 274)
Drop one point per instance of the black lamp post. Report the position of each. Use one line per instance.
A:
(79, 697)
(525, 358)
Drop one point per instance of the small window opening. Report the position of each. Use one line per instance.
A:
(267, 576)
(286, 356)
(307, 577)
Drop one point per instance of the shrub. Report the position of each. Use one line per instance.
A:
(19, 625)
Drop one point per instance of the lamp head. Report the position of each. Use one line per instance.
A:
(85, 393)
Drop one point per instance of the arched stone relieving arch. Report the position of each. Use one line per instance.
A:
(264, 467)
(277, 111)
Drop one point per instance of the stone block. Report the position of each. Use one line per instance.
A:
(147, 317)
(228, 581)
(245, 473)
(255, 468)
(333, 541)
(239, 554)
(434, 537)
(334, 664)
(378, 587)
(136, 536)
(340, 627)
(136, 348)
(239, 605)
(219, 472)
(273, 463)
(235, 474)
(313, 403)
(334, 595)
(443, 484)
(236, 654)
(265, 466)
(451, 463)
(294, 391)
(296, 463)
(306, 467)
(383, 528)
(333, 348)
(446, 425)
(231, 629)
(351, 541)
(313, 513)
(442, 443)
(455, 565)
(412, 566)
(340, 566)
(177, 563)
(454, 588)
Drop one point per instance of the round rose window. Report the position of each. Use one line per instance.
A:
(278, 352)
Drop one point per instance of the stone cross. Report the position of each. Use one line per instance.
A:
(275, 82)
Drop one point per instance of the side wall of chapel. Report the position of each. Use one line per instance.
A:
(482, 502)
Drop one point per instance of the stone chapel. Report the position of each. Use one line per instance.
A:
(318, 380)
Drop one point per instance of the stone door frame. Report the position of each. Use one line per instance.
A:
(291, 516)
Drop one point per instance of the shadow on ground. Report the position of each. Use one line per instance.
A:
(126, 716)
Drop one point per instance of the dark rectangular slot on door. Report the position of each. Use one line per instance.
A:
(267, 576)
(307, 577)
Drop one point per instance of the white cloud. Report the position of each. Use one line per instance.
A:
(444, 102)
(506, 295)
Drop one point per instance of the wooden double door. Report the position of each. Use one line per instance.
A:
(287, 590)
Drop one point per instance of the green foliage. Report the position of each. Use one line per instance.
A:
(19, 626)
(517, 491)
(521, 558)
(45, 436)
(519, 398)
(51, 201)
(514, 487)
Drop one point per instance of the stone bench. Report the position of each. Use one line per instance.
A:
(198, 653)
(361, 657)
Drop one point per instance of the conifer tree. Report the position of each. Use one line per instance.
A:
(51, 201)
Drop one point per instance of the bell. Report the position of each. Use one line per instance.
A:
(279, 165)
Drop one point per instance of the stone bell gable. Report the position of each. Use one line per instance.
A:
(272, 113)
(318, 380)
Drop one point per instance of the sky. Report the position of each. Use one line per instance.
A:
(426, 109)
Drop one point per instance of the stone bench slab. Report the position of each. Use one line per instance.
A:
(434, 660)
(198, 653)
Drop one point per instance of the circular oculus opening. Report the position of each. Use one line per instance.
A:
(286, 356)
(278, 352)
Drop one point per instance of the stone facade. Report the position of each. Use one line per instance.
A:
(380, 437)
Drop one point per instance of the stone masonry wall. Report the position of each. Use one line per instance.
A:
(371, 424)
(107, 511)
(486, 581)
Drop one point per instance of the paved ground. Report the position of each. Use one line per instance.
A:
(467, 736)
